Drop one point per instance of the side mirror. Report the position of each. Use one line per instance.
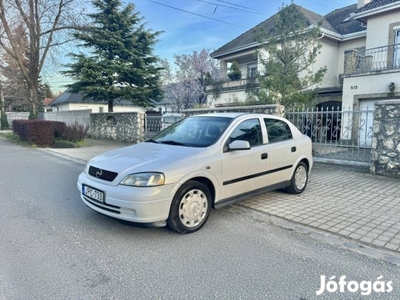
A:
(239, 145)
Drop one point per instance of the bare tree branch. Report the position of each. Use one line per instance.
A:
(43, 23)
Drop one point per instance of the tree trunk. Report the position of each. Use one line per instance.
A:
(33, 100)
(110, 105)
(3, 116)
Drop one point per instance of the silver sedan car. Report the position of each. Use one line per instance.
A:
(201, 162)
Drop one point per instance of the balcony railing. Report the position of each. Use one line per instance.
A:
(248, 70)
(372, 60)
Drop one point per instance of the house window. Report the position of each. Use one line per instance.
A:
(396, 50)
(251, 71)
(101, 110)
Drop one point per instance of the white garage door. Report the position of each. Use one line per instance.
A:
(366, 122)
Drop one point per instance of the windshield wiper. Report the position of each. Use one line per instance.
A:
(173, 143)
(151, 141)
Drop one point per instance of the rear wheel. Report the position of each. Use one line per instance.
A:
(190, 207)
(299, 179)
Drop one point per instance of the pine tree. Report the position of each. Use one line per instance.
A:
(120, 64)
(292, 48)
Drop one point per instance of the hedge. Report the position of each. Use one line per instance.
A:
(39, 132)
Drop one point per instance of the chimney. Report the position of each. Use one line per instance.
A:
(361, 3)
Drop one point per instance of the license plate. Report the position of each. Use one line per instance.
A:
(93, 193)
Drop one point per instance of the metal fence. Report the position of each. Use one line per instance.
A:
(341, 136)
(337, 135)
(154, 124)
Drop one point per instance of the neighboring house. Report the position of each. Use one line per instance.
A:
(68, 101)
(46, 104)
(360, 48)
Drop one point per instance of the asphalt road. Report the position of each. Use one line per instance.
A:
(53, 247)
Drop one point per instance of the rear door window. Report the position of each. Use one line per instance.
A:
(277, 130)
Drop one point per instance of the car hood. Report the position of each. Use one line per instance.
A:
(146, 156)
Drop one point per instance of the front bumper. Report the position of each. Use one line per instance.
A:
(133, 204)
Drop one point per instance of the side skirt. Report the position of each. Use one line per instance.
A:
(244, 196)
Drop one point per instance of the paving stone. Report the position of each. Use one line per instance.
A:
(366, 239)
(343, 232)
(363, 206)
(355, 236)
(384, 238)
(378, 243)
(372, 235)
(392, 246)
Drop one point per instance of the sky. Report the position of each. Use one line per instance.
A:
(193, 25)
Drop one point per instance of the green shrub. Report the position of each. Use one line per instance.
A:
(234, 72)
(59, 129)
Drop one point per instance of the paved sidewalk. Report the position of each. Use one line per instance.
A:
(341, 200)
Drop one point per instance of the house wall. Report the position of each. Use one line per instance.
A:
(380, 29)
(374, 86)
(328, 58)
(227, 98)
(96, 108)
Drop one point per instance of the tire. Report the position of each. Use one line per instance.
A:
(190, 207)
(299, 179)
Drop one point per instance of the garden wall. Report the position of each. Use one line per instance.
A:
(272, 109)
(11, 116)
(69, 117)
(123, 127)
(385, 154)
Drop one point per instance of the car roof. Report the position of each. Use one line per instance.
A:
(234, 115)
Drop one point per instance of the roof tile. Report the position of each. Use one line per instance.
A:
(338, 21)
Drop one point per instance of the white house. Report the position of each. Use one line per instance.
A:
(360, 48)
(68, 101)
(372, 70)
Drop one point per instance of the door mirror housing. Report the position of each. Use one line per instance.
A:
(239, 145)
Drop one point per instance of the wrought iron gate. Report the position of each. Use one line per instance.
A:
(338, 135)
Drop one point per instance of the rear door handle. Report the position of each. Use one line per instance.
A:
(293, 149)
(264, 155)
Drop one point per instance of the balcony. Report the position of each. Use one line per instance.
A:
(372, 60)
(248, 72)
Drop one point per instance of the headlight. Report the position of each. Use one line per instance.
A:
(144, 179)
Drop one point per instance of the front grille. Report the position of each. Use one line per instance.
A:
(102, 174)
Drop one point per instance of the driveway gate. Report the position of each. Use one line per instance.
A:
(343, 136)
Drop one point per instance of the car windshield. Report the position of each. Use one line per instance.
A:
(193, 131)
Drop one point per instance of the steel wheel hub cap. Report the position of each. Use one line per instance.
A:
(193, 208)
(300, 177)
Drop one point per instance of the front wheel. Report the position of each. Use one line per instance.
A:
(190, 207)
(299, 179)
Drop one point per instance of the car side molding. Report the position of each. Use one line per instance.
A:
(244, 196)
